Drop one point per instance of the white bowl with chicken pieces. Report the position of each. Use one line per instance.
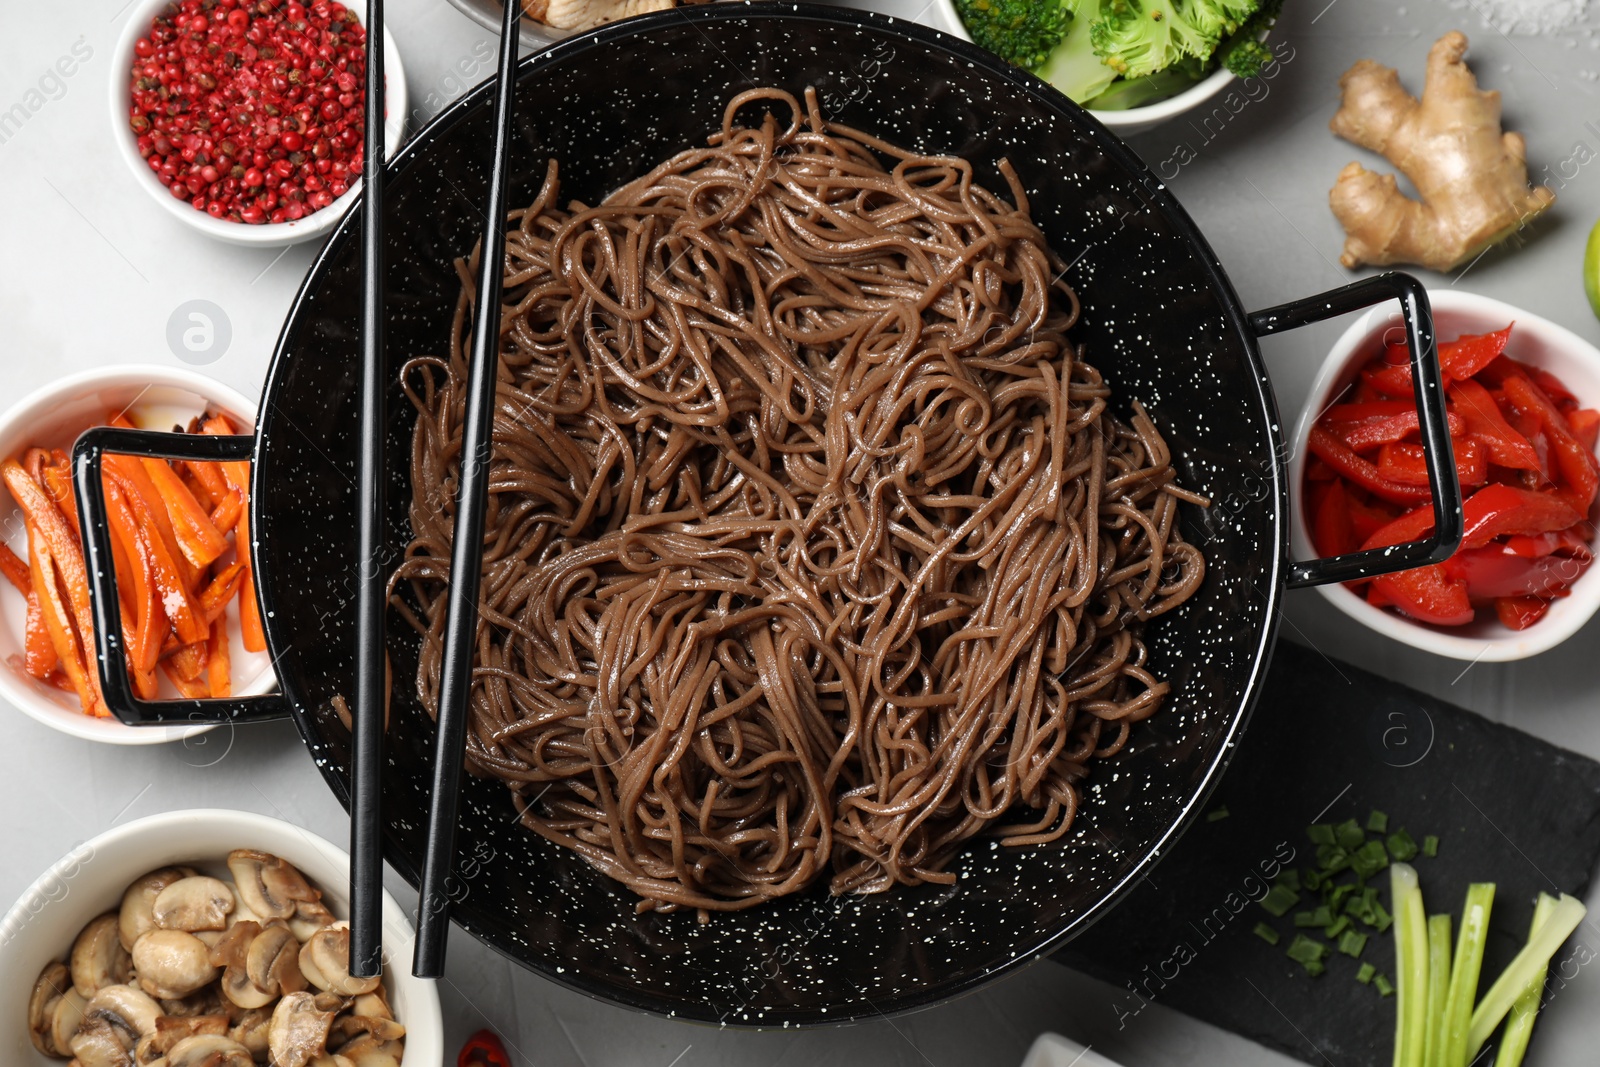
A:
(205, 937)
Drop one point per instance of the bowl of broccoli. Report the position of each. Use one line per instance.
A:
(1134, 63)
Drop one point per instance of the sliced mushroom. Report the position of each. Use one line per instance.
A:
(193, 904)
(242, 911)
(135, 918)
(209, 1050)
(170, 1030)
(309, 917)
(66, 1019)
(99, 1044)
(348, 1028)
(231, 948)
(250, 1029)
(172, 963)
(369, 1051)
(325, 961)
(54, 982)
(125, 1009)
(273, 962)
(269, 886)
(330, 1059)
(299, 1031)
(98, 958)
(206, 1002)
(374, 1005)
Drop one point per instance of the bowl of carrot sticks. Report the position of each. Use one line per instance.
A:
(180, 548)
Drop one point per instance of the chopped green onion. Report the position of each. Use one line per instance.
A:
(1369, 859)
(1320, 916)
(1279, 900)
(1384, 987)
(1381, 919)
(1519, 976)
(1339, 894)
(1289, 879)
(1401, 846)
(1378, 822)
(1464, 968)
(1332, 858)
(1438, 983)
(1314, 968)
(1266, 933)
(1430, 846)
(1365, 972)
(1303, 949)
(1352, 943)
(1349, 834)
(1217, 814)
(1312, 881)
(1411, 967)
(1320, 834)
(1337, 928)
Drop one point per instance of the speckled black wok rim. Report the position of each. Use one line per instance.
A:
(1262, 401)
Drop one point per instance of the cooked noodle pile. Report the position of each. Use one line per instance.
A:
(814, 547)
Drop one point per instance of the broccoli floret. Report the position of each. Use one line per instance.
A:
(1247, 57)
(1073, 67)
(1023, 32)
(1140, 37)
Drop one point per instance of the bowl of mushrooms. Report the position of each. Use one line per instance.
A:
(205, 937)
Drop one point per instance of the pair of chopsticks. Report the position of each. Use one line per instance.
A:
(466, 561)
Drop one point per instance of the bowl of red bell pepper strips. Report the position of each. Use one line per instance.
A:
(187, 597)
(1523, 402)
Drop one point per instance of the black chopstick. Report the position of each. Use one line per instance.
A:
(466, 552)
(367, 712)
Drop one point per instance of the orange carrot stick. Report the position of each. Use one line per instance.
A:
(171, 583)
(64, 551)
(143, 639)
(198, 539)
(57, 481)
(217, 665)
(58, 621)
(14, 569)
(208, 475)
(38, 651)
(237, 473)
(225, 516)
(134, 471)
(190, 660)
(191, 688)
(224, 584)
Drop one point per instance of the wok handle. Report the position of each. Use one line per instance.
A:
(1448, 523)
(88, 457)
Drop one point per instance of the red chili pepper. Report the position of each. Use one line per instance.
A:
(1574, 463)
(1407, 464)
(483, 1049)
(1336, 454)
(1485, 421)
(1520, 612)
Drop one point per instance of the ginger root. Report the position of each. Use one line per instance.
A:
(1473, 179)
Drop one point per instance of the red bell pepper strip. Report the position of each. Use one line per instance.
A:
(1428, 595)
(1331, 531)
(1407, 464)
(1336, 454)
(1485, 421)
(1575, 463)
(1493, 572)
(483, 1049)
(1521, 612)
(1372, 433)
(1467, 355)
(1585, 423)
(1497, 510)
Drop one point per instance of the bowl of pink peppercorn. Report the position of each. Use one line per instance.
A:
(245, 118)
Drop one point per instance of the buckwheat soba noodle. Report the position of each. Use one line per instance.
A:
(814, 547)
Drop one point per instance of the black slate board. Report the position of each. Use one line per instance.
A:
(1330, 741)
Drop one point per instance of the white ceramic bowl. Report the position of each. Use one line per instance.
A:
(1534, 340)
(266, 235)
(90, 880)
(154, 397)
(1131, 120)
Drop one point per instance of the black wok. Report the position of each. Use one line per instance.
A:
(1160, 319)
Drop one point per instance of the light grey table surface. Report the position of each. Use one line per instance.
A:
(90, 271)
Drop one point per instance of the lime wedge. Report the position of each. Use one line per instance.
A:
(1591, 269)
